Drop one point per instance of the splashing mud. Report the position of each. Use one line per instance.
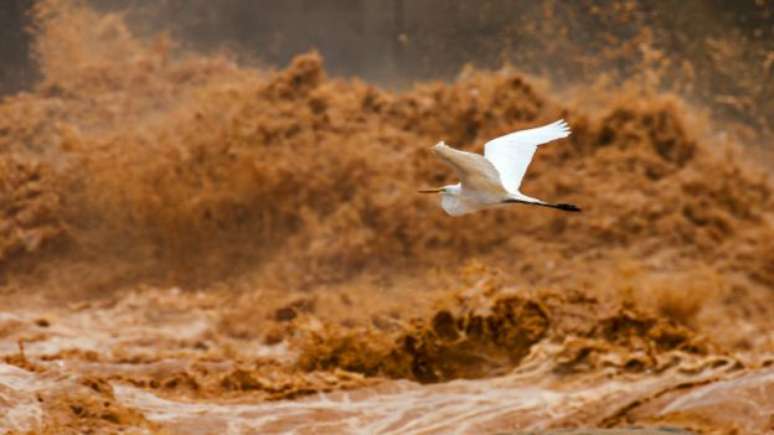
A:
(191, 245)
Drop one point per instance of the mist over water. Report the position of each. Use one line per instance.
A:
(193, 237)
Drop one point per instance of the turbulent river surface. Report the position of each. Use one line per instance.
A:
(192, 245)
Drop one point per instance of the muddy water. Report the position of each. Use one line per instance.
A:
(168, 369)
(190, 245)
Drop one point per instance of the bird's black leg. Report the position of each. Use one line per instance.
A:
(560, 206)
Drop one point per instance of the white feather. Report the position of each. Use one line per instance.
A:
(494, 179)
(476, 173)
(511, 154)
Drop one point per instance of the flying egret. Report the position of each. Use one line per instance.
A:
(494, 178)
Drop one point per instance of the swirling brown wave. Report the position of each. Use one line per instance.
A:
(179, 230)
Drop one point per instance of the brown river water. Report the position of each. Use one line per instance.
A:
(191, 245)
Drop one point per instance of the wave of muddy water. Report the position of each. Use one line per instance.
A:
(156, 361)
(191, 246)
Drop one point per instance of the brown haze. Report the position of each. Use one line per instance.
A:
(192, 246)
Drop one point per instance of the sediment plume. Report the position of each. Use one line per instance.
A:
(185, 240)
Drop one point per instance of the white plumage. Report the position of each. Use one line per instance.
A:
(495, 178)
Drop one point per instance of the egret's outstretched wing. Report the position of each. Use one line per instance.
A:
(475, 172)
(512, 153)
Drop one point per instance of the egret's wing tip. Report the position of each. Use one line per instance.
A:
(563, 127)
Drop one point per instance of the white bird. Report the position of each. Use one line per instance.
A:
(494, 178)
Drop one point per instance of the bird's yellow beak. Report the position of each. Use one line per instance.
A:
(438, 190)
